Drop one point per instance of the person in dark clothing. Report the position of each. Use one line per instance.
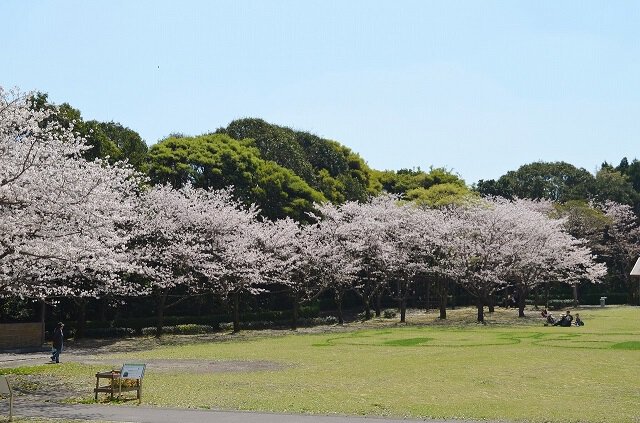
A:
(58, 340)
(565, 320)
(578, 321)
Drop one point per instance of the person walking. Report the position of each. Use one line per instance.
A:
(58, 340)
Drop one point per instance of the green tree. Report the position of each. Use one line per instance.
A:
(129, 144)
(611, 184)
(106, 140)
(325, 165)
(217, 161)
(275, 143)
(439, 195)
(556, 181)
(415, 182)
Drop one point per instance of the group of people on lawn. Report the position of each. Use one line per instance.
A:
(565, 320)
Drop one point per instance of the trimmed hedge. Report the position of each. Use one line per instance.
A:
(109, 332)
(190, 329)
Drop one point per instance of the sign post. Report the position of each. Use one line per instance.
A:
(5, 389)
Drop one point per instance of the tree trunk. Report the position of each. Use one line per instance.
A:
(295, 310)
(367, 309)
(402, 304)
(81, 319)
(428, 295)
(480, 306)
(43, 316)
(379, 304)
(443, 305)
(492, 300)
(236, 312)
(546, 295)
(536, 298)
(161, 305)
(338, 299)
(575, 294)
(102, 314)
(521, 305)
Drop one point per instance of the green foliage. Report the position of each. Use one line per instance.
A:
(188, 329)
(105, 139)
(582, 220)
(556, 181)
(275, 143)
(389, 313)
(418, 181)
(280, 192)
(632, 171)
(128, 143)
(613, 185)
(325, 165)
(217, 161)
(210, 161)
(440, 195)
(270, 324)
(109, 332)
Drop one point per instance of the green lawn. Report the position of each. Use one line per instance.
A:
(513, 369)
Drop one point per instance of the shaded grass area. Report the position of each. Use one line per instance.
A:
(511, 369)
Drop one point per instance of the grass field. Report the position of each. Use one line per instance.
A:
(511, 369)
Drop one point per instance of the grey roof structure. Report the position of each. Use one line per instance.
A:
(636, 269)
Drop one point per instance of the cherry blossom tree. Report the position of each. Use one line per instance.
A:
(164, 244)
(620, 244)
(60, 215)
(292, 249)
(231, 255)
(499, 242)
(417, 236)
(365, 227)
(542, 251)
(335, 266)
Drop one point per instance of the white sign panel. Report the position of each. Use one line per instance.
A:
(132, 371)
(4, 386)
(636, 269)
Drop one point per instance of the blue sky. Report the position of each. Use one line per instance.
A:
(478, 87)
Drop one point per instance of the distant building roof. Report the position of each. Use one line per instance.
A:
(636, 269)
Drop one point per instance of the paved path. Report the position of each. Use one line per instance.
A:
(143, 414)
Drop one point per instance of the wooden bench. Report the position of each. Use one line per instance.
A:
(116, 378)
(5, 389)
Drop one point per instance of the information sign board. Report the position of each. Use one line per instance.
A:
(132, 371)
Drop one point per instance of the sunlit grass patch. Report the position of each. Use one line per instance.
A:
(501, 371)
(630, 345)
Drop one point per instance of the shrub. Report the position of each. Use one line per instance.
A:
(109, 332)
(190, 329)
(389, 313)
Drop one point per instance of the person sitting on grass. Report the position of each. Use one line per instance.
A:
(565, 320)
(578, 321)
(548, 317)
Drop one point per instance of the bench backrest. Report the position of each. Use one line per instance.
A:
(4, 385)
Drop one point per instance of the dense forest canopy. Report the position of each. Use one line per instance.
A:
(285, 170)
